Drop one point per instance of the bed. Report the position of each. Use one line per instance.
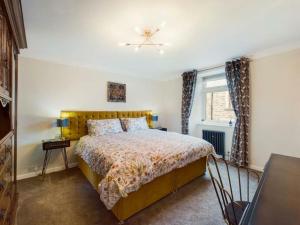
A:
(155, 163)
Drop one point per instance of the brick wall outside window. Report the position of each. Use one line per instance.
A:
(222, 109)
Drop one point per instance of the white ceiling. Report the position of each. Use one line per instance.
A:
(202, 32)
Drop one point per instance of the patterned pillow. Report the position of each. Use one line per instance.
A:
(102, 127)
(132, 124)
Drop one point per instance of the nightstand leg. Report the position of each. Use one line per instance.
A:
(64, 153)
(45, 163)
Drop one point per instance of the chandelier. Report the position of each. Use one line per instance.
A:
(147, 35)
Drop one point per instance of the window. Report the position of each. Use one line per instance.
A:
(217, 105)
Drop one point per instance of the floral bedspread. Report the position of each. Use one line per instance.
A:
(130, 159)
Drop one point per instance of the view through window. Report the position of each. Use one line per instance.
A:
(217, 103)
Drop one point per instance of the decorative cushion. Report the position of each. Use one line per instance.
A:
(133, 124)
(102, 127)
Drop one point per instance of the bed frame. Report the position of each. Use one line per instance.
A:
(148, 193)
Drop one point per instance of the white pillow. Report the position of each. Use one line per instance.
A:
(133, 124)
(102, 127)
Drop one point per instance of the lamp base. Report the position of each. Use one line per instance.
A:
(61, 134)
(154, 124)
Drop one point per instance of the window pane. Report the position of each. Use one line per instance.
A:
(209, 106)
(216, 83)
(218, 106)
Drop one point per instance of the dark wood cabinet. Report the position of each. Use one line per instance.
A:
(12, 38)
(8, 192)
(5, 56)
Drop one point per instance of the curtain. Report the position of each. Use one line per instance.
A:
(188, 90)
(237, 75)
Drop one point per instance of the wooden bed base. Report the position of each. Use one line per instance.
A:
(150, 192)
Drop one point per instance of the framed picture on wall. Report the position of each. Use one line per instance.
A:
(116, 92)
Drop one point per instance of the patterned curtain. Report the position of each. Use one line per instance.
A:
(188, 91)
(237, 75)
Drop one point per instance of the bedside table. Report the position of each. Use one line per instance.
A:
(161, 128)
(49, 145)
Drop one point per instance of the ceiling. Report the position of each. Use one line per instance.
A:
(202, 32)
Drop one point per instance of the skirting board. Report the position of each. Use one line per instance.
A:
(258, 168)
(50, 170)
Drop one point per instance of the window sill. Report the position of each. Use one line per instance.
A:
(215, 124)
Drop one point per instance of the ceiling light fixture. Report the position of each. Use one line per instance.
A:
(147, 34)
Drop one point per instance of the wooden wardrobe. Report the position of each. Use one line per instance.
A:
(12, 39)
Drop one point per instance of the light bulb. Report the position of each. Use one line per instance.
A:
(161, 51)
(136, 49)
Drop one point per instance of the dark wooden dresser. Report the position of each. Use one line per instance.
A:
(277, 199)
(12, 38)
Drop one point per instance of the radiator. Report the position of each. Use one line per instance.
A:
(217, 139)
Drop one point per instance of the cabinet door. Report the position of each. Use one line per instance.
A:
(2, 78)
(6, 185)
(5, 56)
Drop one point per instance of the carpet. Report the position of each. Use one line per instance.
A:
(67, 198)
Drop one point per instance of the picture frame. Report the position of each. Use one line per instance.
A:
(116, 92)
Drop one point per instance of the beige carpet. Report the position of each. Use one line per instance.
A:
(67, 198)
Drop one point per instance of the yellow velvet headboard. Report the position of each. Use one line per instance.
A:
(77, 127)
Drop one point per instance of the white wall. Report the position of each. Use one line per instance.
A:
(275, 108)
(172, 94)
(47, 88)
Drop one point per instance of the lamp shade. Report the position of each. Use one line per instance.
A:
(154, 118)
(62, 122)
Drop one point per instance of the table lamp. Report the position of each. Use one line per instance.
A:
(62, 122)
(154, 120)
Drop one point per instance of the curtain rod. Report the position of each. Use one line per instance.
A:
(211, 68)
(218, 66)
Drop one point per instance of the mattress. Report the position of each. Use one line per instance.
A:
(128, 160)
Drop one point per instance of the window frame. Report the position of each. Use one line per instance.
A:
(205, 90)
